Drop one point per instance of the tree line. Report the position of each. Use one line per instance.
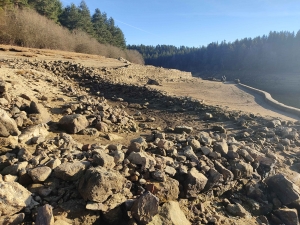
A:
(73, 17)
(278, 51)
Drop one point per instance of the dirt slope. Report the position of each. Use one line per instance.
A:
(228, 96)
(208, 147)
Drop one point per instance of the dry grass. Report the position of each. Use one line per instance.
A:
(27, 28)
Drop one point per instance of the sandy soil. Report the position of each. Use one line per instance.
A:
(229, 96)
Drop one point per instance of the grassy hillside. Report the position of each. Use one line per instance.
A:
(27, 28)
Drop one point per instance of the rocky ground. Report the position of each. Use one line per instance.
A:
(88, 144)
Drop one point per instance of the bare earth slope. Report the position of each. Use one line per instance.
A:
(228, 95)
(90, 140)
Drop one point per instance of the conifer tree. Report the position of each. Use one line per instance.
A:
(84, 22)
(49, 8)
(101, 32)
(70, 17)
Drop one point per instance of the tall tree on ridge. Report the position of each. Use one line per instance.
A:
(70, 17)
(49, 8)
(101, 32)
(85, 23)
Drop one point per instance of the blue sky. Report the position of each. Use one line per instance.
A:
(197, 22)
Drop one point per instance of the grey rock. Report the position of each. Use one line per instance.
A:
(170, 171)
(221, 147)
(103, 159)
(236, 210)
(14, 169)
(158, 175)
(241, 169)
(142, 158)
(181, 129)
(40, 130)
(170, 214)
(190, 154)
(36, 108)
(73, 123)
(227, 174)
(214, 178)
(194, 183)
(113, 137)
(206, 150)
(205, 139)
(12, 220)
(44, 215)
(53, 163)
(145, 208)
(288, 216)
(165, 144)
(14, 197)
(71, 171)
(286, 190)
(99, 184)
(195, 144)
(40, 174)
(245, 155)
(8, 126)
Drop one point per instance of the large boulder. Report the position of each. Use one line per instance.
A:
(14, 197)
(181, 129)
(288, 216)
(227, 174)
(7, 125)
(40, 174)
(286, 190)
(103, 159)
(165, 191)
(241, 169)
(36, 131)
(236, 210)
(142, 158)
(71, 171)
(170, 214)
(190, 154)
(41, 111)
(194, 183)
(145, 208)
(73, 123)
(221, 147)
(100, 184)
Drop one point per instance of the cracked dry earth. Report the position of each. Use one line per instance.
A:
(89, 140)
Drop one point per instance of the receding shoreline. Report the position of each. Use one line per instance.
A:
(270, 100)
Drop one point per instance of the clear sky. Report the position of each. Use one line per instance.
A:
(197, 22)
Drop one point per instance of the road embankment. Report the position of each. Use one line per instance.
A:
(268, 98)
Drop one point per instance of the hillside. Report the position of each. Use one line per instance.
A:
(268, 62)
(92, 140)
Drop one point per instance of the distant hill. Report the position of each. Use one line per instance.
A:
(269, 62)
(278, 51)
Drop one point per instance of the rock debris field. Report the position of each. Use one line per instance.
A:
(84, 145)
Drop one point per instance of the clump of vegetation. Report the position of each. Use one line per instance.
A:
(45, 24)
